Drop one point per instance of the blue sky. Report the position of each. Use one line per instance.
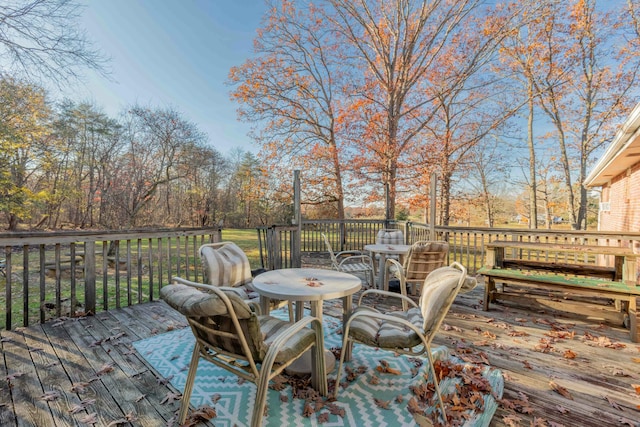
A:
(173, 53)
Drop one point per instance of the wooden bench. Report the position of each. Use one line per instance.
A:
(542, 271)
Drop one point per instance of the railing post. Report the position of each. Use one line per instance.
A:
(90, 277)
(25, 285)
(432, 207)
(296, 255)
(407, 239)
(7, 289)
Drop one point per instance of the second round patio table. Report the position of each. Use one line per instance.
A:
(308, 284)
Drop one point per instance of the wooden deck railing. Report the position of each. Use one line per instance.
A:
(50, 275)
(467, 244)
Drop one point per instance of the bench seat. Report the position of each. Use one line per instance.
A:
(561, 286)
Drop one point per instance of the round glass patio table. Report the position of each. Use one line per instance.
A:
(313, 285)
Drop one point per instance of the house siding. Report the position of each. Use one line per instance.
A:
(623, 195)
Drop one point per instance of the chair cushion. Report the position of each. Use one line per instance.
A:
(271, 328)
(207, 311)
(193, 302)
(226, 265)
(385, 334)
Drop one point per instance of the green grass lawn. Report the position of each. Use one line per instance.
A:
(247, 240)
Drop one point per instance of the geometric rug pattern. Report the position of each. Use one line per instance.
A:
(170, 353)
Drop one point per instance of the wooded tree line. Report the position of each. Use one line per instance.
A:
(370, 97)
(70, 165)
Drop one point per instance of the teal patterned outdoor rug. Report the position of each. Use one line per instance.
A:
(170, 353)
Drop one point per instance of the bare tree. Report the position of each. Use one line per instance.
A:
(40, 40)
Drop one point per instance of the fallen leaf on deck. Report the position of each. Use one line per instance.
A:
(627, 422)
(126, 420)
(170, 398)
(489, 335)
(612, 402)
(323, 418)
(79, 388)
(384, 404)
(414, 407)
(308, 410)
(512, 420)
(14, 376)
(616, 371)
(569, 354)
(636, 387)
(526, 364)
(75, 409)
(562, 409)
(336, 410)
(560, 390)
(105, 369)
(384, 368)
(447, 327)
(50, 396)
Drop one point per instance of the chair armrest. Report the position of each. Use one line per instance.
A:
(387, 294)
(349, 253)
(202, 286)
(366, 259)
(400, 270)
(286, 334)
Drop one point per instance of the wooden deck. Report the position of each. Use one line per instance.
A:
(85, 371)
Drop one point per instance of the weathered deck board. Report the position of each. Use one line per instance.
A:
(60, 354)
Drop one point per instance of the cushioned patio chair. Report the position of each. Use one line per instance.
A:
(389, 236)
(408, 331)
(422, 259)
(226, 264)
(230, 334)
(354, 262)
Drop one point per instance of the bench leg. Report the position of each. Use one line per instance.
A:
(489, 287)
(634, 319)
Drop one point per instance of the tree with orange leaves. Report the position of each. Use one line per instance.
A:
(290, 92)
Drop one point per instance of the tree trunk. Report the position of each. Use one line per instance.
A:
(533, 185)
